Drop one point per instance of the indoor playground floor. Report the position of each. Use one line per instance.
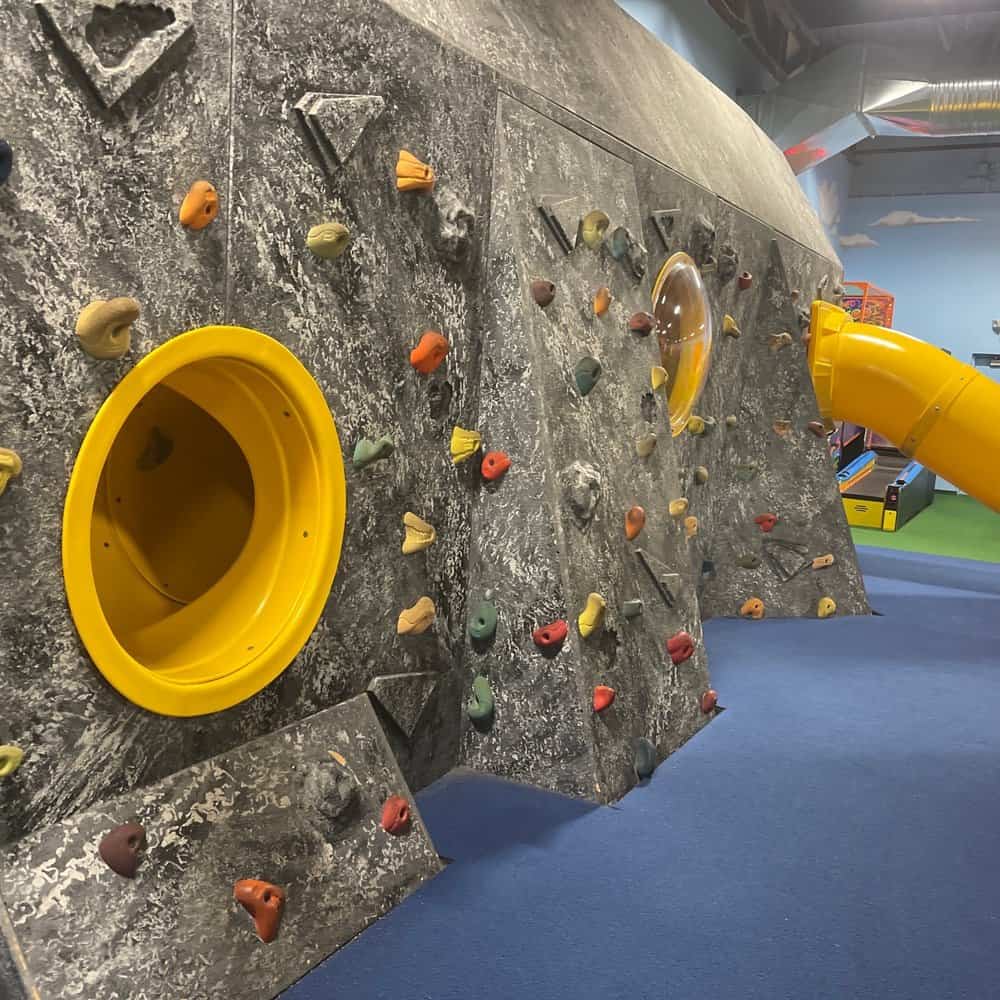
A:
(832, 834)
(954, 525)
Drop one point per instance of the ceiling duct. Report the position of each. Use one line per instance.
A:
(860, 91)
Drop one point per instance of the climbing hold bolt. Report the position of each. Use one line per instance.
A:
(603, 697)
(104, 327)
(10, 759)
(593, 227)
(494, 464)
(816, 427)
(730, 327)
(551, 635)
(782, 427)
(766, 522)
(6, 161)
(586, 374)
(695, 425)
(592, 616)
(680, 646)
(645, 444)
(678, 508)
(752, 607)
(635, 521)
(602, 300)
(632, 609)
(779, 340)
(419, 534)
(745, 280)
(483, 623)
(10, 468)
(701, 475)
(396, 815)
(826, 607)
(119, 848)
(200, 205)
(708, 702)
(429, 352)
(480, 707)
(328, 240)
(731, 420)
(645, 757)
(264, 902)
(412, 174)
(658, 376)
(464, 444)
(418, 619)
(821, 562)
(641, 323)
(367, 451)
(543, 292)
(690, 526)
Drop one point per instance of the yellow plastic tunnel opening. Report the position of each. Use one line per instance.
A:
(204, 521)
(933, 407)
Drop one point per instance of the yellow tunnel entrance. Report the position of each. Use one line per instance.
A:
(203, 522)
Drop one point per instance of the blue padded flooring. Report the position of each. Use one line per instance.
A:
(835, 833)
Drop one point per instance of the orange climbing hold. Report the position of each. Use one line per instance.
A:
(412, 174)
(635, 521)
(753, 607)
(200, 205)
(495, 464)
(708, 701)
(429, 352)
(602, 300)
(603, 697)
(264, 902)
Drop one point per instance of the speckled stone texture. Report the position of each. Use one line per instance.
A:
(263, 811)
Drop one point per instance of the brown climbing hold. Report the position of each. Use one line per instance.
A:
(753, 607)
(494, 464)
(104, 327)
(816, 427)
(730, 327)
(766, 522)
(701, 475)
(119, 849)
(745, 280)
(708, 702)
(821, 562)
(641, 323)
(412, 174)
(779, 340)
(690, 526)
(418, 619)
(782, 428)
(680, 646)
(603, 697)
(200, 205)
(543, 292)
(551, 635)
(264, 902)
(602, 301)
(678, 507)
(429, 352)
(635, 521)
(396, 815)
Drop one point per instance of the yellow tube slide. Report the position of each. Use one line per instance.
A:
(932, 407)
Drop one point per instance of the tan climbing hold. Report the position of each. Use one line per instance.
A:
(695, 425)
(104, 328)
(10, 467)
(200, 205)
(635, 521)
(779, 340)
(412, 174)
(690, 526)
(730, 327)
(782, 428)
(701, 475)
(678, 508)
(826, 607)
(753, 607)
(593, 227)
(328, 240)
(821, 562)
(419, 534)
(658, 376)
(602, 301)
(464, 444)
(418, 619)
(731, 420)
(592, 616)
(644, 445)
(338, 757)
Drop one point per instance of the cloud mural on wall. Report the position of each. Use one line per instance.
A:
(829, 205)
(902, 217)
(855, 240)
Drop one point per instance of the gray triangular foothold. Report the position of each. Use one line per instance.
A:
(404, 697)
(664, 222)
(562, 213)
(338, 120)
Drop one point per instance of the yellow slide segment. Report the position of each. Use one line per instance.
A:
(932, 407)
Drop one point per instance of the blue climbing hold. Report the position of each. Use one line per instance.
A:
(6, 160)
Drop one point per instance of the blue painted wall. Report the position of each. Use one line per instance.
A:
(827, 187)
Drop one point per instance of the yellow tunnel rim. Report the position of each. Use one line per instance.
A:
(126, 674)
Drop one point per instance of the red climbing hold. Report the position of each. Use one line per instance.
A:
(745, 280)
(264, 902)
(766, 522)
(680, 646)
(708, 701)
(495, 464)
(396, 815)
(603, 696)
(549, 636)
(642, 323)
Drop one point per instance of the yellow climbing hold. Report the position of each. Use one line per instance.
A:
(696, 424)
(679, 507)
(701, 475)
(730, 327)
(464, 444)
(827, 606)
(10, 759)
(592, 616)
(419, 534)
(418, 619)
(658, 376)
(690, 526)
(338, 757)
(594, 226)
(10, 467)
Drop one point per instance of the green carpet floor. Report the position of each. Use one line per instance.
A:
(954, 525)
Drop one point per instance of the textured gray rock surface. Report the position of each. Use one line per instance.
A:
(261, 811)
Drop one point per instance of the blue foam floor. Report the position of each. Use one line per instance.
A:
(834, 833)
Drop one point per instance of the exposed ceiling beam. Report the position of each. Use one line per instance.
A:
(827, 14)
(772, 30)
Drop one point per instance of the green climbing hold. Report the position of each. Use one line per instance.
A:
(746, 471)
(483, 623)
(367, 451)
(632, 609)
(645, 757)
(748, 560)
(480, 708)
(587, 372)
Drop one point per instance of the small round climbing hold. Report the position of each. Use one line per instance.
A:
(766, 522)
(645, 445)
(658, 377)
(367, 451)
(586, 374)
(826, 607)
(603, 697)
(593, 227)
(592, 617)
(119, 848)
(483, 623)
(708, 702)
(104, 327)
(730, 327)
(752, 607)
(6, 161)
(494, 464)
(429, 352)
(731, 420)
(10, 468)
(680, 646)
(543, 292)
(551, 635)
(412, 174)
(745, 280)
(418, 619)
(10, 759)
(816, 427)
(464, 444)
(695, 425)
(328, 240)
(264, 902)
(396, 815)
(200, 205)
(602, 301)
(748, 560)
(678, 507)
(635, 521)
(645, 758)
(821, 562)
(690, 526)
(641, 323)
(701, 475)
(481, 706)
(418, 533)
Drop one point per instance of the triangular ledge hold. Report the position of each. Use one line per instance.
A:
(337, 121)
(404, 697)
